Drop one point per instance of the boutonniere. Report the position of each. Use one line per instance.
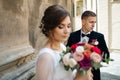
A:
(94, 42)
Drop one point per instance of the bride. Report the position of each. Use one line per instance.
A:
(55, 25)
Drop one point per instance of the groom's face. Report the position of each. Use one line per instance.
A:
(88, 23)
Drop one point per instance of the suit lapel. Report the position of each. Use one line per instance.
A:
(91, 37)
(80, 35)
(78, 38)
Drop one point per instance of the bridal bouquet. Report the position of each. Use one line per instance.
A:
(82, 56)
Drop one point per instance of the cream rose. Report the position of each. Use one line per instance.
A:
(72, 62)
(66, 58)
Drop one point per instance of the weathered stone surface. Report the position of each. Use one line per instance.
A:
(20, 37)
(19, 73)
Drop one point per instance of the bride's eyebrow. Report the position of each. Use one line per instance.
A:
(64, 24)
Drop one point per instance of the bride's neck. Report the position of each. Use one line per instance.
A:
(53, 45)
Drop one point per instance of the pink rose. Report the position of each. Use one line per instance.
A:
(95, 57)
(78, 56)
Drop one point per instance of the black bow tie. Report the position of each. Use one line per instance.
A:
(83, 35)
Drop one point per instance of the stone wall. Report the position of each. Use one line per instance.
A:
(109, 22)
(20, 37)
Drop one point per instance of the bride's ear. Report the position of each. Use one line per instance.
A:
(51, 34)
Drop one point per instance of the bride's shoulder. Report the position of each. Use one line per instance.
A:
(45, 51)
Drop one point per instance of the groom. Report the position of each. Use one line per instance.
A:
(87, 34)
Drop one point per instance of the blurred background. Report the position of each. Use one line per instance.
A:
(20, 37)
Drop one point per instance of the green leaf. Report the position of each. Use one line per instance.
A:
(66, 67)
(60, 60)
(67, 50)
(83, 71)
(111, 59)
(84, 41)
(107, 60)
(96, 65)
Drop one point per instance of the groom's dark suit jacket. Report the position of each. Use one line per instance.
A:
(75, 37)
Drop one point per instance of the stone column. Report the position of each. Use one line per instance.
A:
(15, 50)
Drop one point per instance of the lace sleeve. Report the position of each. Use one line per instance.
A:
(45, 67)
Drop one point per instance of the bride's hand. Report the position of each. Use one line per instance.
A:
(90, 75)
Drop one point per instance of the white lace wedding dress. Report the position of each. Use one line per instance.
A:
(51, 68)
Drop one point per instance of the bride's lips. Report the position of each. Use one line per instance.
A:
(65, 36)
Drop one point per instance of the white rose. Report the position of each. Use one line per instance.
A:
(66, 58)
(96, 42)
(80, 49)
(72, 62)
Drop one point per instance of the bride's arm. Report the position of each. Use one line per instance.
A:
(45, 67)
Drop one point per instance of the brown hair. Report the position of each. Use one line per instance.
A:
(53, 16)
(87, 14)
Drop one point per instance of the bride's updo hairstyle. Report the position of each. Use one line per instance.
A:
(53, 16)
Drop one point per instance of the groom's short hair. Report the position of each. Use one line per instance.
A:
(87, 14)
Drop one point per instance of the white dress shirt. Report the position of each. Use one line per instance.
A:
(85, 38)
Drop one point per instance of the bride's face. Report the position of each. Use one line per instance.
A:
(62, 31)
